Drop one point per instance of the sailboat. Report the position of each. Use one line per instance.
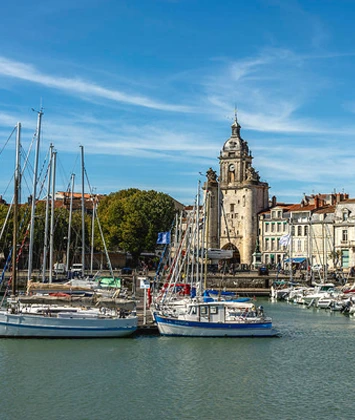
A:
(61, 316)
(196, 315)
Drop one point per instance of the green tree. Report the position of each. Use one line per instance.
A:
(131, 219)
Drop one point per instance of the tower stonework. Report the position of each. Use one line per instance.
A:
(211, 191)
(243, 196)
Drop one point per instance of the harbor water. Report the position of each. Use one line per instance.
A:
(306, 374)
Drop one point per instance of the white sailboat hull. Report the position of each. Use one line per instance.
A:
(40, 326)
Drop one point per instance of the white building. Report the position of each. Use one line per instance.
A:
(320, 230)
(344, 233)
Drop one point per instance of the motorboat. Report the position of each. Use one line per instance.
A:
(215, 319)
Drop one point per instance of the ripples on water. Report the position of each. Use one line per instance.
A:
(305, 374)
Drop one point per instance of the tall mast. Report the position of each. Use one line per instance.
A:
(51, 236)
(70, 219)
(82, 212)
(207, 216)
(92, 232)
(199, 255)
(15, 221)
(45, 249)
(291, 250)
(34, 194)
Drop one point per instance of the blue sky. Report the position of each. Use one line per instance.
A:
(149, 87)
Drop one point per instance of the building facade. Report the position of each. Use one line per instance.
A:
(344, 233)
(319, 231)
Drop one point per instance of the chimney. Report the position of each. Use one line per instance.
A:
(316, 201)
(273, 201)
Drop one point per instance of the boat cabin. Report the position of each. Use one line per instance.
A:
(218, 311)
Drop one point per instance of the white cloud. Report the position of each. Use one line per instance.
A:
(74, 86)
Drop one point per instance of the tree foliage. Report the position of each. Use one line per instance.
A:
(132, 218)
(130, 221)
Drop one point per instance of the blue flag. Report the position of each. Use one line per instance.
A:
(163, 238)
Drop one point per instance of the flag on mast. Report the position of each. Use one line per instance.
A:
(285, 240)
(163, 238)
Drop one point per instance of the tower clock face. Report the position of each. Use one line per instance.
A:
(231, 168)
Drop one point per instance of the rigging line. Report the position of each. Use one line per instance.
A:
(43, 168)
(8, 186)
(10, 182)
(99, 225)
(75, 163)
(26, 160)
(12, 132)
(63, 173)
(87, 179)
(10, 206)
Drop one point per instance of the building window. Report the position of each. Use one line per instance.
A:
(232, 208)
(345, 258)
(305, 230)
(345, 236)
(299, 230)
(279, 214)
(299, 245)
(267, 227)
(293, 231)
(278, 244)
(272, 244)
(345, 216)
(266, 245)
(272, 227)
(279, 227)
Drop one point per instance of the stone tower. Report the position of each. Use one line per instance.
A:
(211, 191)
(243, 196)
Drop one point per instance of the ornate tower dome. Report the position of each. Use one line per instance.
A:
(236, 159)
(235, 143)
